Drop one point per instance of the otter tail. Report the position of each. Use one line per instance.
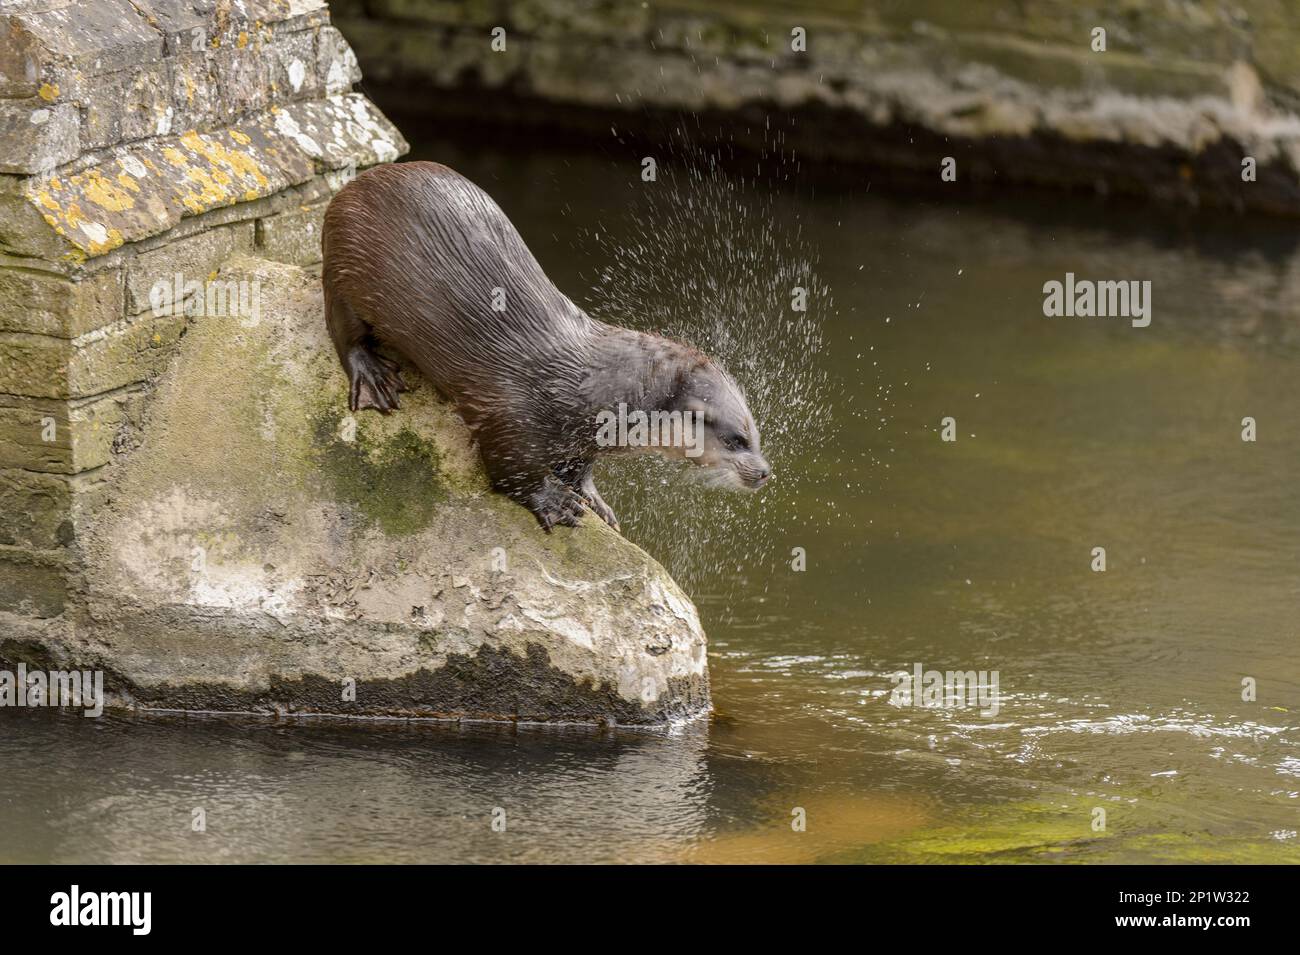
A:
(373, 380)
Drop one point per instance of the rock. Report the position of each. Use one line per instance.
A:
(264, 550)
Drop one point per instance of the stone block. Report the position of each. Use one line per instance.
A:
(37, 135)
(46, 303)
(125, 353)
(35, 510)
(292, 237)
(32, 585)
(64, 437)
(195, 258)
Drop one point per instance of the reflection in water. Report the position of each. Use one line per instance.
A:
(1121, 691)
(335, 791)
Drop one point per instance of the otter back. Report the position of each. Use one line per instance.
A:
(420, 258)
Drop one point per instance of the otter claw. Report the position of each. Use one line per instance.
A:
(597, 503)
(601, 509)
(556, 505)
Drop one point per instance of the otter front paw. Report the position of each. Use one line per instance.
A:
(598, 505)
(556, 504)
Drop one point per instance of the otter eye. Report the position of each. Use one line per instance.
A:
(736, 442)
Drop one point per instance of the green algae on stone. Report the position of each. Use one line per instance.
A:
(1060, 830)
(394, 482)
(1019, 832)
(1205, 849)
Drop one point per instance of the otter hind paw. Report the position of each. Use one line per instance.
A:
(376, 381)
(555, 504)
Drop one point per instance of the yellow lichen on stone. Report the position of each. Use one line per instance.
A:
(243, 40)
(98, 247)
(240, 137)
(126, 182)
(49, 92)
(72, 215)
(241, 164)
(107, 194)
(211, 192)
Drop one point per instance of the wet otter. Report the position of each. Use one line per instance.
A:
(419, 258)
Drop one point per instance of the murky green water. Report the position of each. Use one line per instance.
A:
(1119, 690)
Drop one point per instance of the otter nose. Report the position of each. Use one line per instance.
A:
(761, 475)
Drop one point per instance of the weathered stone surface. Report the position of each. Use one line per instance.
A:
(261, 547)
(146, 189)
(236, 541)
(141, 140)
(194, 258)
(65, 49)
(131, 104)
(23, 233)
(336, 64)
(63, 437)
(292, 237)
(184, 26)
(33, 585)
(25, 424)
(59, 46)
(35, 510)
(45, 303)
(37, 135)
(124, 353)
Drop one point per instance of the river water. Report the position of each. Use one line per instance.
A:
(1120, 734)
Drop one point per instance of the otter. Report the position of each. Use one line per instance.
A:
(421, 260)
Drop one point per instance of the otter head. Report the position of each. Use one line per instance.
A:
(723, 437)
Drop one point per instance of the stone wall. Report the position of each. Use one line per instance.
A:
(186, 503)
(1014, 91)
(141, 140)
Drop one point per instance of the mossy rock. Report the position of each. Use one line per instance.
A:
(261, 548)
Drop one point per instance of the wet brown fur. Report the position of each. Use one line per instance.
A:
(413, 253)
